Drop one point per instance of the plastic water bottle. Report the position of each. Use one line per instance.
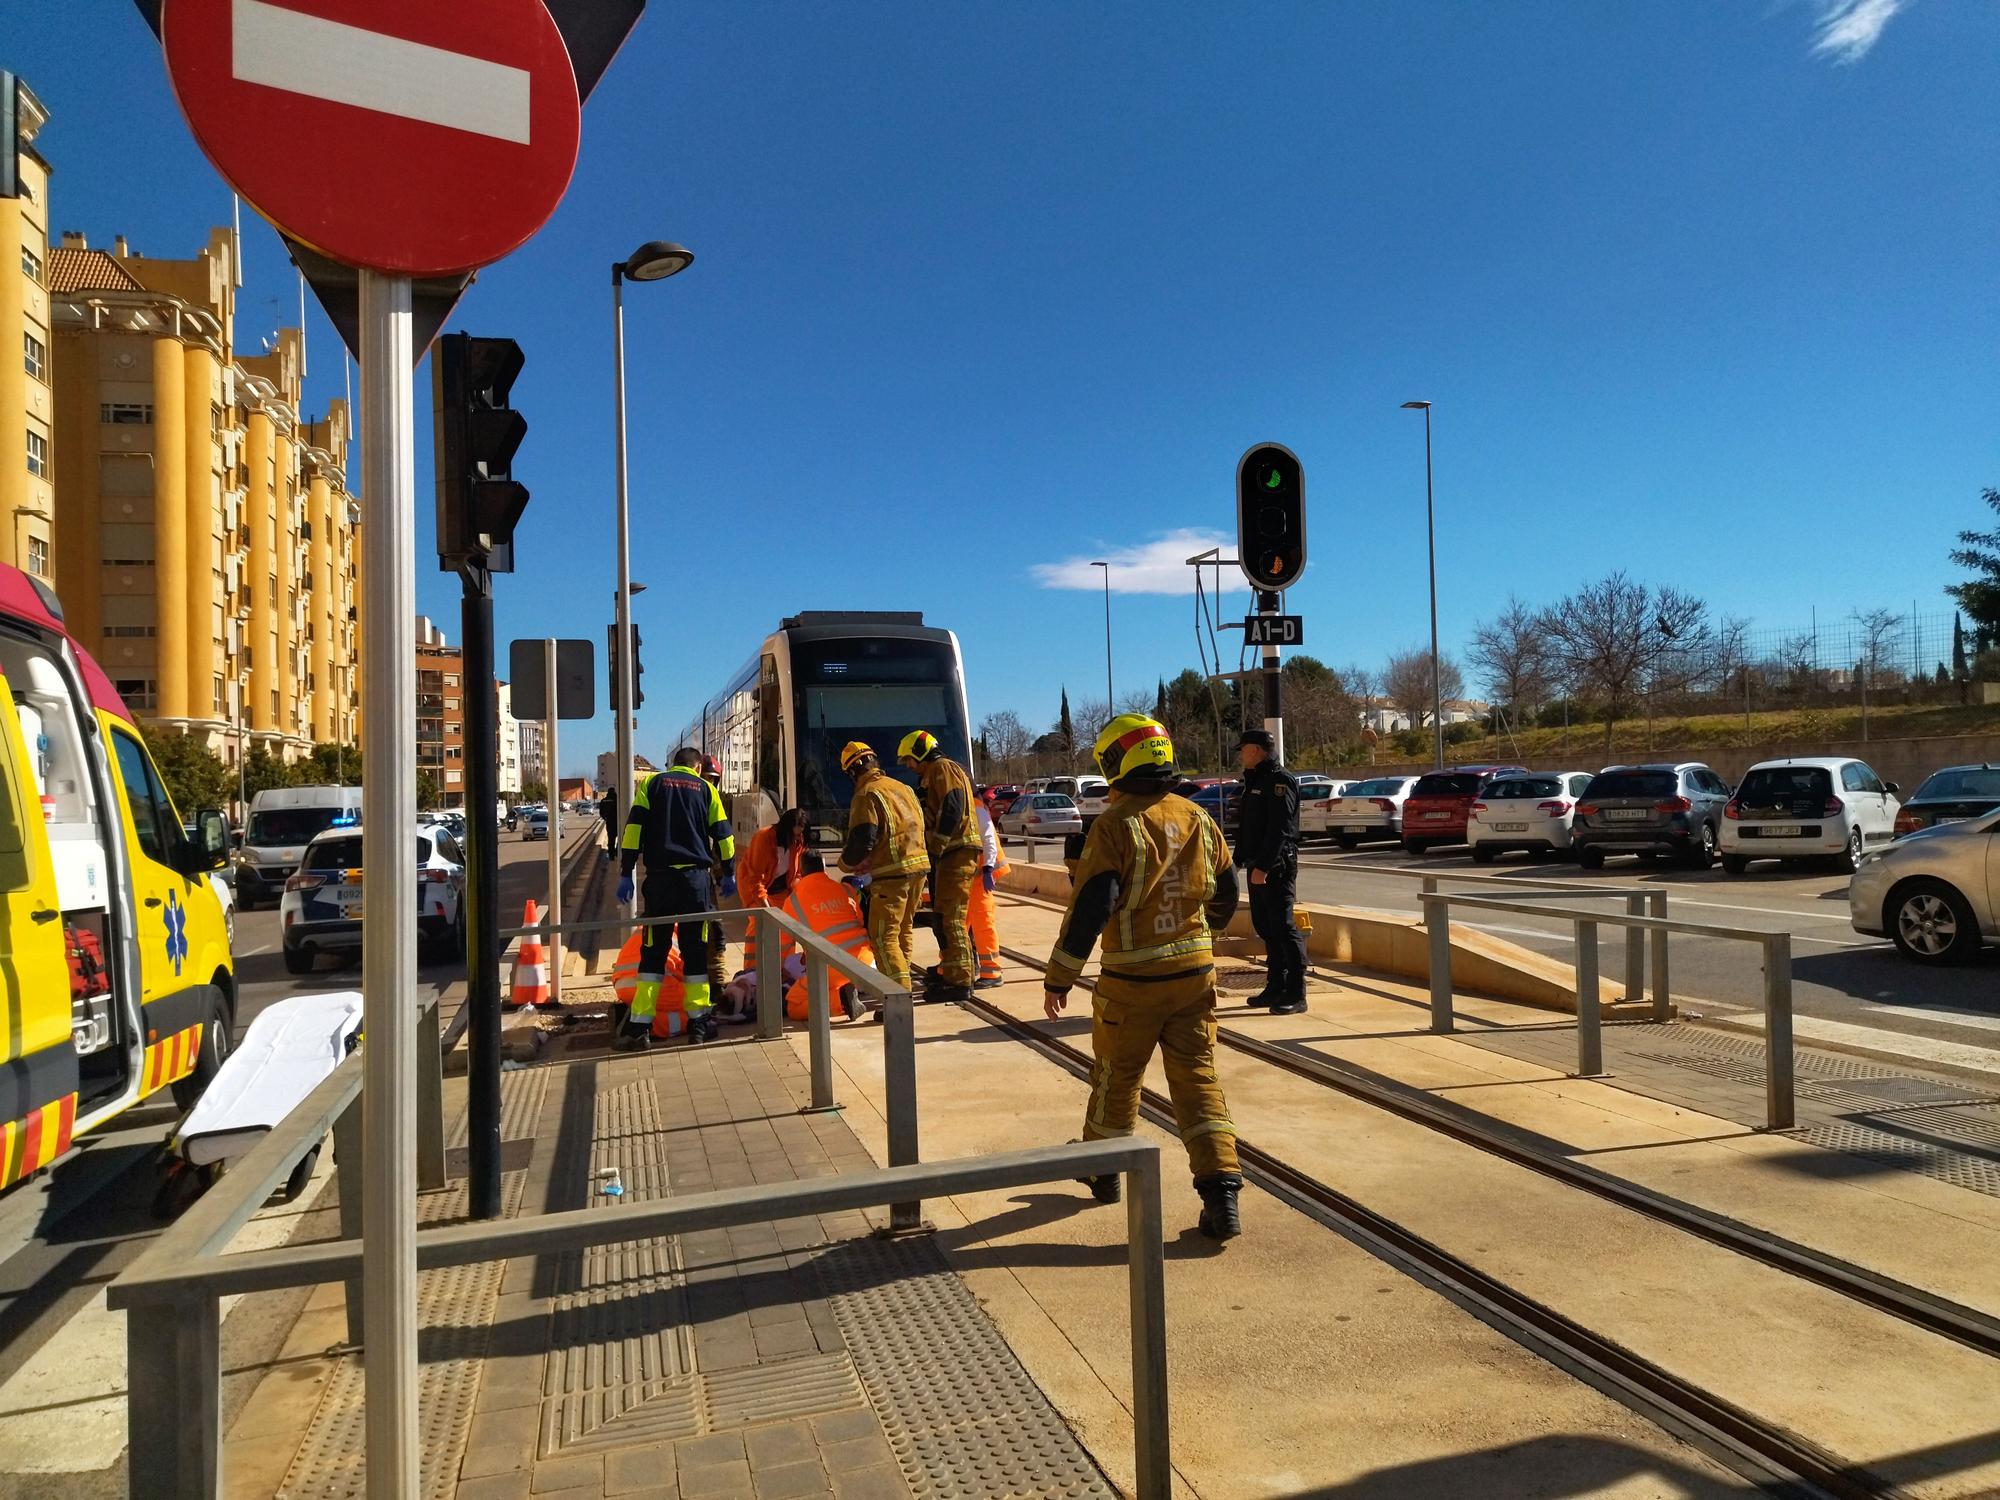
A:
(614, 1183)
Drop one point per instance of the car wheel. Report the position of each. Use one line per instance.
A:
(1590, 859)
(1482, 854)
(298, 960)
(1932, 923)
(1702, 855)
(1347, 841)
(1851, 860)
(213, 1053)
(1734, 864)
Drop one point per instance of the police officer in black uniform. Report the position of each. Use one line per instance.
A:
(1267, 846)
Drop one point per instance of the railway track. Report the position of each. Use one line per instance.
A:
(1780, 1461)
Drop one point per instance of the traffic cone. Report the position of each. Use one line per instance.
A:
(625, 971)
(530, 984)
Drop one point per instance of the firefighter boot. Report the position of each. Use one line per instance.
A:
(1218, 1205)
(1106, 1187)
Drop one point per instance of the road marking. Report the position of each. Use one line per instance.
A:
(322, 59)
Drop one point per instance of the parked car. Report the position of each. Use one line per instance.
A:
(219, 880)
(1042, 815)
(1368, 812)
(283, 820)
(1093, 795)
(535, 823)
(1673, 808)
(1222, 801)
(1531, 812)
(1434, 813)
(1819, 808)
(1003, 797)
(1935, 893)
(1315, 798)
(1954, 795)
(321, 908)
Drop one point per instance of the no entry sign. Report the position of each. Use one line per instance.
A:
(416, 139)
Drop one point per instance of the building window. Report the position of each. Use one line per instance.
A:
(35, 356)
(275, 710)
(131, 632)
(126, 413)
(221, 697)
(38, 454)
(31, 265)
(274, 590)
(38, 557)
(136, 691)
(451, 679)
(214, 420)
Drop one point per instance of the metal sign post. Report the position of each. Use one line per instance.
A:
(1268, 607)
(389, 900)
(554, 773)
(482, 898)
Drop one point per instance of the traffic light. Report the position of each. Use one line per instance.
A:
(638, 669)
(1271, 516)
(478, 502)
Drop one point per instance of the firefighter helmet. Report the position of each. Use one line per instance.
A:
(711, 768)
(1133, 743)
(918, 744)
(853, 752)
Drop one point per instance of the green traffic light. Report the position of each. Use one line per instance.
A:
(1273, 479)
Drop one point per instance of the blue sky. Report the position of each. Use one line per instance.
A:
(1704, 291)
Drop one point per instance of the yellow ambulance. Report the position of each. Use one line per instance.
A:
(115, 970)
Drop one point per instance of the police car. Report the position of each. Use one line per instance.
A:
(321, 911)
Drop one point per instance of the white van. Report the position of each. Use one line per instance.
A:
(283, 821)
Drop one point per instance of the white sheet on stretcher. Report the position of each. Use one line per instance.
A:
(289, 1049)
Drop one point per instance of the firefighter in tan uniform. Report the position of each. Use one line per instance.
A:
(1154, 879)
(951, 835)
(884, 852)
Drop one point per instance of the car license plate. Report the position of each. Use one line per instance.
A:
(1438, 815)
(1355, 828)
(1510, 827)
(1779, 830)
(1940, 822)
(349, 898)
(1625, 814)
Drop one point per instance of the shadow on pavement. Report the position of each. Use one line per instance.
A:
(1883, 975)
(1552, 1467)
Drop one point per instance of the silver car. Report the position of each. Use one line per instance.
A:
(1935, 892)
(1042, 815)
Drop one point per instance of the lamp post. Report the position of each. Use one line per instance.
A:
(1430, 531)
(653, 261)
(1110, 707)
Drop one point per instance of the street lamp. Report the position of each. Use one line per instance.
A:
(1110, 707)
(655, 260)
(1430, 528)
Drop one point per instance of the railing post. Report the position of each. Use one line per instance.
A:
(819, 1013)
(1152, 1458)
(1437, 921)
(1778, 1111)
(1589, 1039)
(1635, 950)
(899, 1070)
(430, 1101)
(347, 1179)
(770, 979)
(1662, 998)
(173, 1405)
(1428, 886)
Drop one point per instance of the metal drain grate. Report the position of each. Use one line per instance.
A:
(1240, 979)
(1944, 1162)
(962, 1416)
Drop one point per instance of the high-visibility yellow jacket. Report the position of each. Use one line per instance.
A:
(677, 823)
(948, 802)
(1154, 880)
(885, 829)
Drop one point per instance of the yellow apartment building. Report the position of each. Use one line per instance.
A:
(27, 396)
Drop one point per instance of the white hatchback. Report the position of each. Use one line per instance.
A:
(1532, 812)
(1818, 808)
(1365, 812)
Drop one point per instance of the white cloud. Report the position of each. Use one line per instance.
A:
(1155, 567)
(1847, 29)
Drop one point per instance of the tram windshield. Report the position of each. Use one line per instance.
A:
(873, 689)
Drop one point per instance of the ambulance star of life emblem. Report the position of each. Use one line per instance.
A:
(176, 920)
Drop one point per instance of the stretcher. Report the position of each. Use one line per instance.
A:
(289, 1050)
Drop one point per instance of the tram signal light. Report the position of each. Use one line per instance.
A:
(638, 669)
(477, 434)
(1271, 516)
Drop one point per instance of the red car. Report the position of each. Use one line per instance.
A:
(1437, 806)
(1003, 798)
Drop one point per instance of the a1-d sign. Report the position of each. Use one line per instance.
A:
(415, 139)
(1274, 630)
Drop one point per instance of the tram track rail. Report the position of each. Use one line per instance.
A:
(1778, 1460)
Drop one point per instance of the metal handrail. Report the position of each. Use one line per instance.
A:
(173, 1314)
(1779, 1108)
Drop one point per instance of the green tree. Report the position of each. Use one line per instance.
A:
(331, 765)
(1066, 727)
(534, 791)
(195, 775)
(1980, 595)
(263, 771)
(427, 791)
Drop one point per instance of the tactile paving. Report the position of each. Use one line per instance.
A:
(521, 1095)
(962, 1417)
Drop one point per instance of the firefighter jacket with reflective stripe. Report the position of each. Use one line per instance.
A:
(1267, 829)
(677, 823)
(948, 802)
(830, 909)
(1154, 879)
(885, 829)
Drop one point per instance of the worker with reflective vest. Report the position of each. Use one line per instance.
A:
(831, 909)
(1154, 880)
(884, 852)
(981, 915)
(718, 950)
(951, 835)
(766, 870)
(677, 826)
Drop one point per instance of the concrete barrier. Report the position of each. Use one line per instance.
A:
(1481, 963)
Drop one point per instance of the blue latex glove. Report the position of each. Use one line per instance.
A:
(859, 882)
(729, 885)
(986, 878)
(625, 890)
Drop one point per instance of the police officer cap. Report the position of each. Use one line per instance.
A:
(1261, 738)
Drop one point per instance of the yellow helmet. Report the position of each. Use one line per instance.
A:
(1133, 743)
(854, 751)
(918, 744)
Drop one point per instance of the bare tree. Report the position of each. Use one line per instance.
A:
(1008, 741)
(1880, 629)
(1136, 701)
(1321, 718)
(1091, 716)
(1512, 658)
(1620, 643)
(1406, 683)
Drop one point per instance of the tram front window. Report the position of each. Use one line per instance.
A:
(877, 698)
